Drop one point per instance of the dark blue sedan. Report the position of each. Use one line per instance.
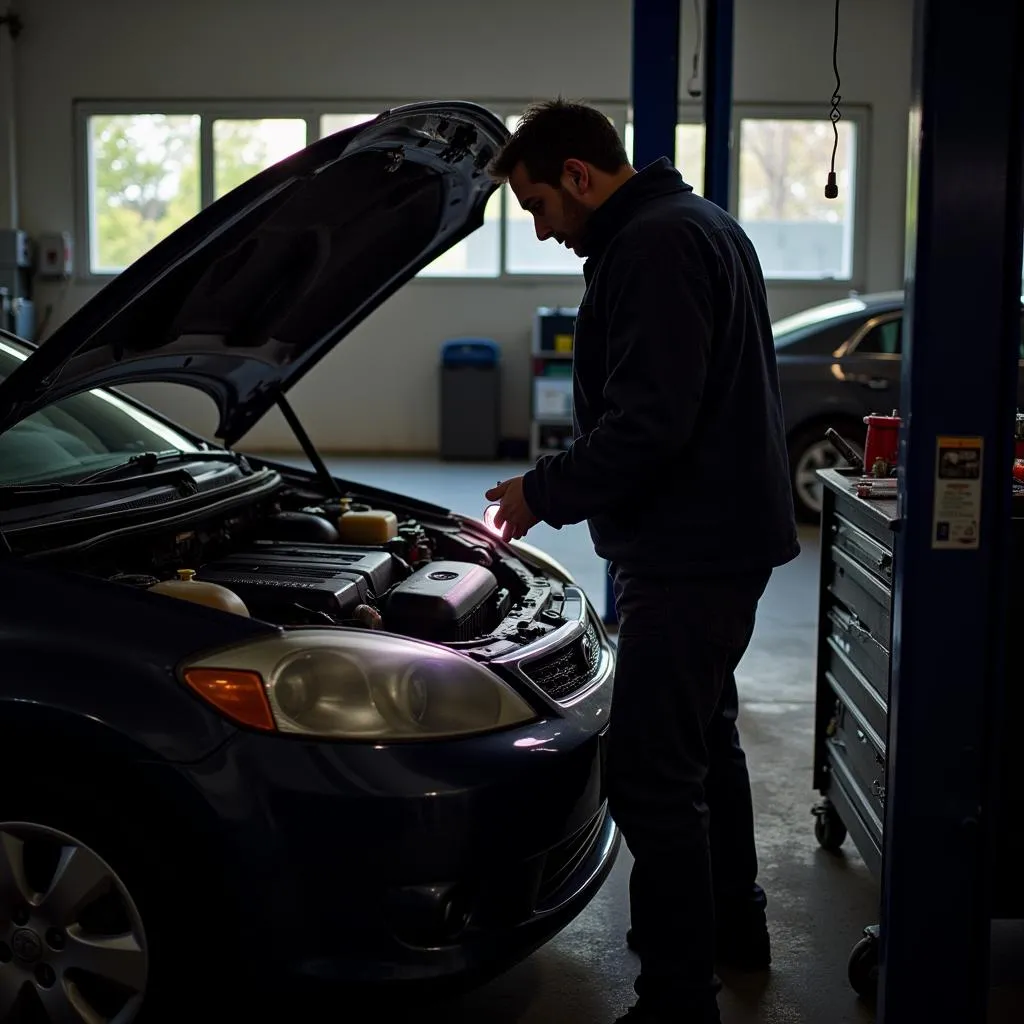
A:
(258, 721)
(838, 363)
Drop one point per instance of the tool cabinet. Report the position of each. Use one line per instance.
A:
(855, 611)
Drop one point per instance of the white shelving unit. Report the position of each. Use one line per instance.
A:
(551, 354)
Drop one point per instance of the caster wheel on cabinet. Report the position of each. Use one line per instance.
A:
(862, 969)
(829, 829)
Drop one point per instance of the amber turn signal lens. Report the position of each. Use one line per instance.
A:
(239, 695)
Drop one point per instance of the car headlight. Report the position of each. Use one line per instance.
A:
(355, 686)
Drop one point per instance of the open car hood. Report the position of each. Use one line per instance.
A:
(247, 296)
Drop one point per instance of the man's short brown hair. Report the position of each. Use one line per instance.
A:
(554, 131)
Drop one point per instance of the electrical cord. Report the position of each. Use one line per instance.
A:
(693, 85)
(832, 187)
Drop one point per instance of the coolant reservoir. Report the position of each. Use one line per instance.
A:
(188, 588)
(374, 526)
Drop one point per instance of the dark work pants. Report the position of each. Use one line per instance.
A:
(677, 776)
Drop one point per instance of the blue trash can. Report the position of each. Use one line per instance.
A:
(470, 399)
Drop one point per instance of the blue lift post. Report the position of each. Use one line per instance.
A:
(655, 79)
(718, 48)
(960, 368)
(655, 101)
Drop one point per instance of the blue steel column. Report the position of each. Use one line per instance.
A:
(718, 49)
(959, 378)
(655, 102)
(655, 79)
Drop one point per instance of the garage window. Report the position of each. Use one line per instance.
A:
(783, 165)
(689, 154)
(524, 252)
(143, 183)
(779, 165)
(146, 173)
(244, 147)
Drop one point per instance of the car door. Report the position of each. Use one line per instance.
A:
(871, 364)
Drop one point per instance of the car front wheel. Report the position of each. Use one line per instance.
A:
(810, 452)
(109, 910)
(72, 942)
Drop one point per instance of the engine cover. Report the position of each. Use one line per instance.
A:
(444, 602)
(377, 568)
(279, 579)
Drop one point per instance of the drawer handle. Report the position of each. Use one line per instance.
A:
(862, 633)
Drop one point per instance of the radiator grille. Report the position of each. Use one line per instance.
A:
(567, 671)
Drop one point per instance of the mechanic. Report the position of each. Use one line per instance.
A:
(679, 466)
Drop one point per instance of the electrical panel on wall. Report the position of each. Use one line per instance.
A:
(55, 258)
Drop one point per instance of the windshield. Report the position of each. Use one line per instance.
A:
(796, 324)
(79, 435)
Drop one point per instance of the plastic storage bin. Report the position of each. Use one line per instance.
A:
(470, 399)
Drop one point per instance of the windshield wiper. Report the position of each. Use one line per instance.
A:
(15, 495)
(147, 462)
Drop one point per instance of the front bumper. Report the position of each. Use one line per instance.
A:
(361, 863)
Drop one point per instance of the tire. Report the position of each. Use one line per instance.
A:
(862, 969)
(178, 941)
(809, 452)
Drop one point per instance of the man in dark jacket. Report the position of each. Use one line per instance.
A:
(679, 466)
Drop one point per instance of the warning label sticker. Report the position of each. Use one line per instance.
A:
(956, 516)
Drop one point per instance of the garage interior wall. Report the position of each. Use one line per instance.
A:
(378, 391)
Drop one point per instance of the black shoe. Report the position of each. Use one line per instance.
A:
(748, 949)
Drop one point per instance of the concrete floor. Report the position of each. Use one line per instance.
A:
(819, 902)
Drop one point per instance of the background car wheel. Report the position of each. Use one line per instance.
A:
(810, 452)
(100, 920)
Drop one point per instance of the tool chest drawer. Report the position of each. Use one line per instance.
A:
(868, 654)
(863, 549)
(862, 748)
(862, 593)
(851, 686)
(851, 510)
(846, 790)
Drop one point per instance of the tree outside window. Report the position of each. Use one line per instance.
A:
(143, 183)
(242, 148)
(784, 164)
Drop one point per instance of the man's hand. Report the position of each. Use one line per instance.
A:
(514, 517)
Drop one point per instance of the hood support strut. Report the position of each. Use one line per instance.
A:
(308, 447)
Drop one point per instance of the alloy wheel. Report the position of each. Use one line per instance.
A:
(819, 455)
(71, 937)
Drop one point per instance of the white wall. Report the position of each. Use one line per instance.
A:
(378, 391)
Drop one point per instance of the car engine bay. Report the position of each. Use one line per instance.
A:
(296, 562)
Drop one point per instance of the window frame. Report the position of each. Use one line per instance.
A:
(856, 114)
(879, 320)
(208, 111)
(311, 110)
